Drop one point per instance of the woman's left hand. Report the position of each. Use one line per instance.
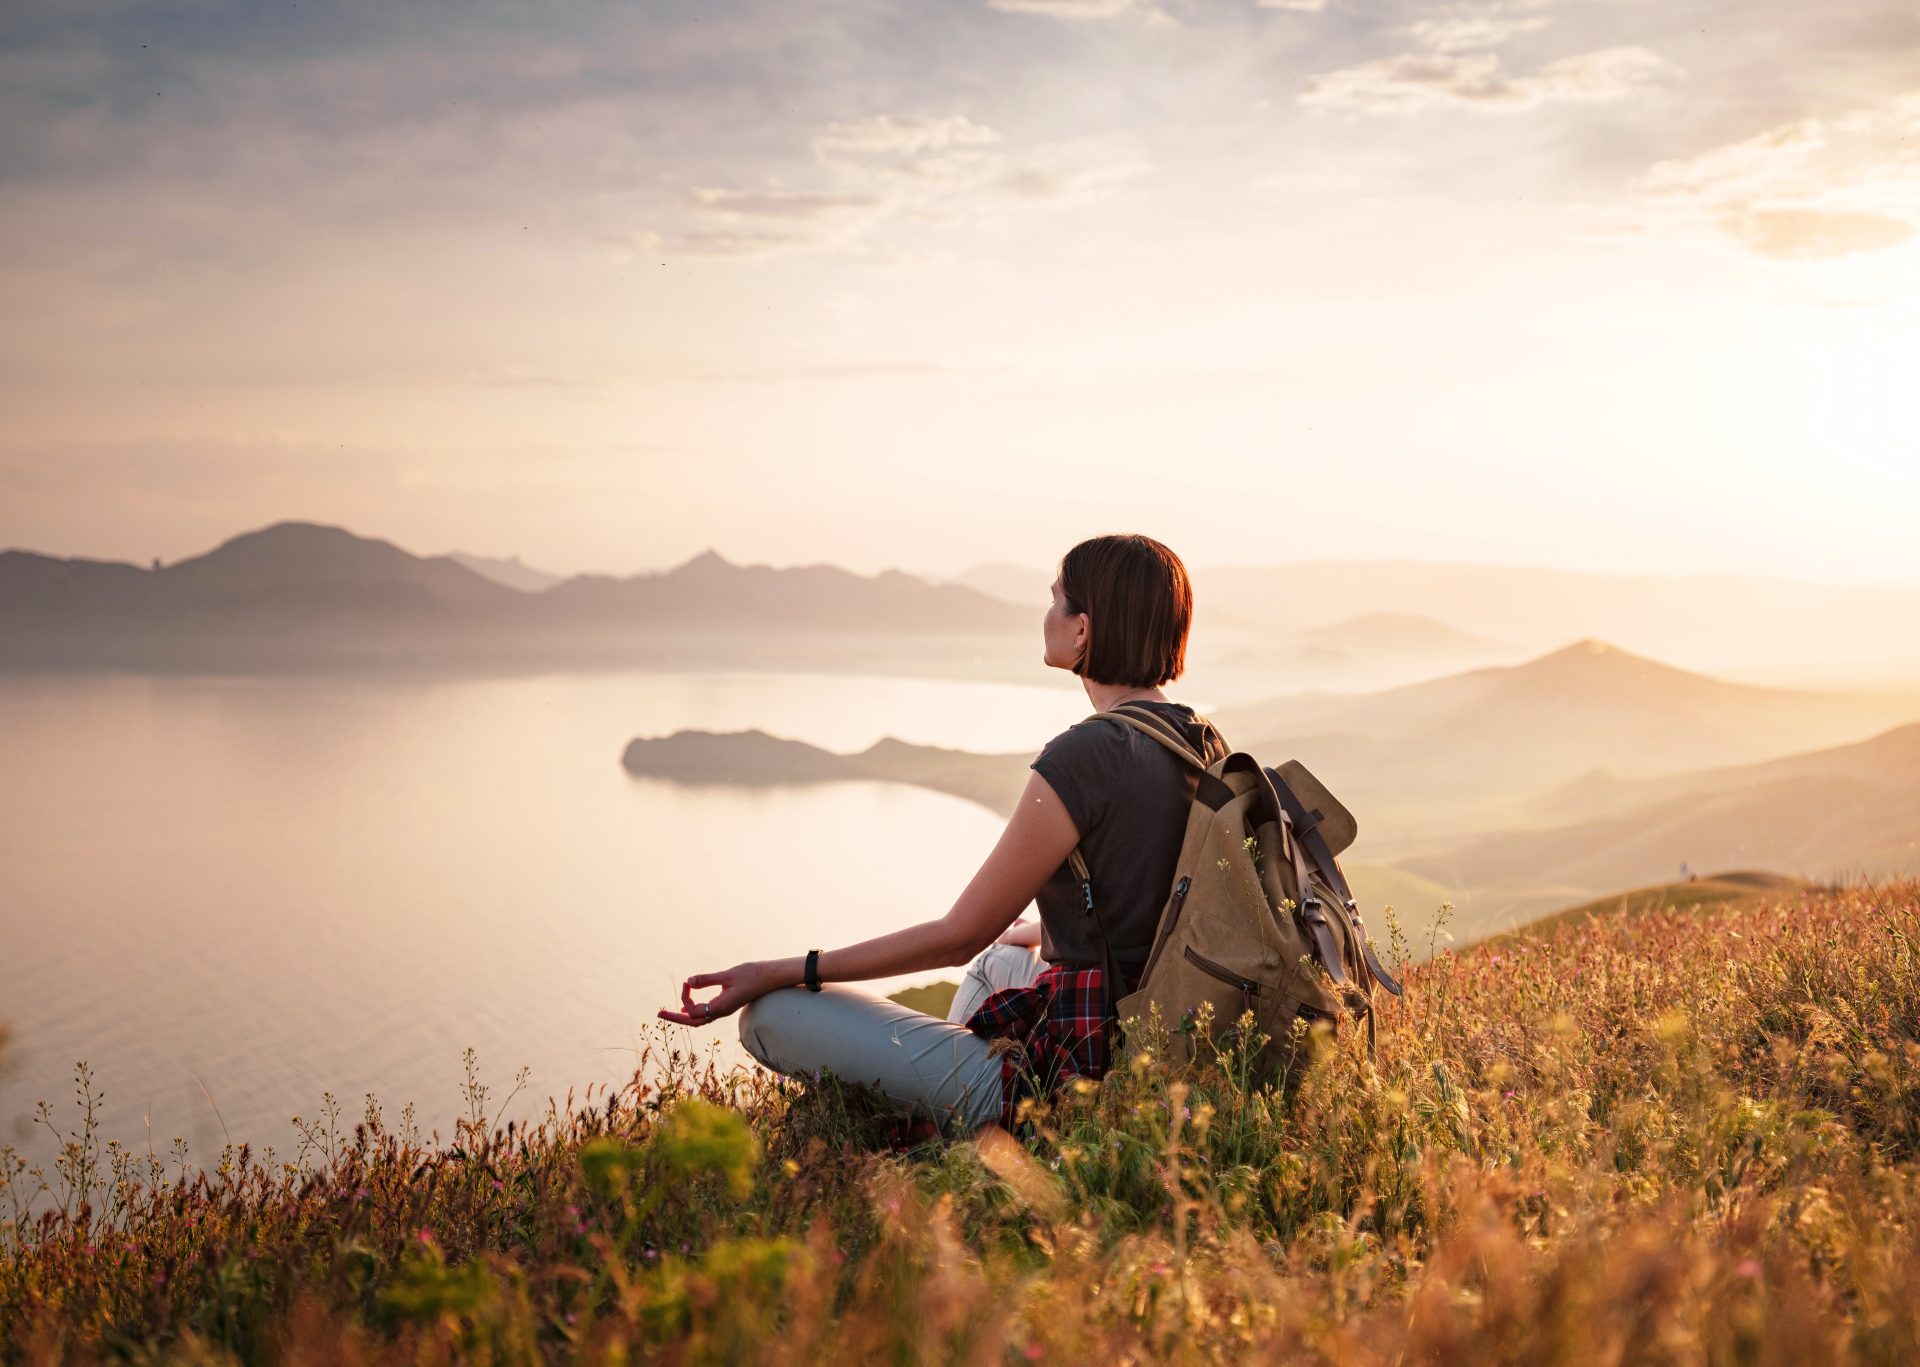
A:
(738, 985)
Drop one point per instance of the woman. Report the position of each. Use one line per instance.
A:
(1119, 618)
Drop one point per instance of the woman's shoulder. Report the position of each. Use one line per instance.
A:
(1103, 732)
(1086, 736)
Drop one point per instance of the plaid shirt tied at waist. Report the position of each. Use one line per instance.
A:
(1054, 1025)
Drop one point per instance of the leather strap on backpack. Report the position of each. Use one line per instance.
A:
(1160, 729)
(1111, 982)
(1303, 823)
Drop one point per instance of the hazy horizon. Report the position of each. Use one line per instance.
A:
(1041, 569)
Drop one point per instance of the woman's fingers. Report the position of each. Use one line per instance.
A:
(732, 996)
(696, 1013)
(692, 1012)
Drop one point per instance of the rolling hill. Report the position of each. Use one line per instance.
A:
(1457, 751)
(1848, 810)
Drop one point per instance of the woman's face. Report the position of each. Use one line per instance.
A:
(1063, 635)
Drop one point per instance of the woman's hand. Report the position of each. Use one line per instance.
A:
(738, 985)
(1024, 934)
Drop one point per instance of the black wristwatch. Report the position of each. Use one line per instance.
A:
(813, 970)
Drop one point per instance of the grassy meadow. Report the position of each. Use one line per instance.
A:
(1654, 1134)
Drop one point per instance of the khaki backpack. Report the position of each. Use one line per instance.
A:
(1259, 918)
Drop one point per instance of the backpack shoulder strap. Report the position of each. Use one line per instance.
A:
(1160, 729)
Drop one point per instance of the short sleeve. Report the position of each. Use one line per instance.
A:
(1079, 765)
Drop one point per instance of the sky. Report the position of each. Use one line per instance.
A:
(1629, 285)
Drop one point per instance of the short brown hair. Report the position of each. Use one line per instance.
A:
(1139, 603)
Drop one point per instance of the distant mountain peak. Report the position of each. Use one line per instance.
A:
(295, 543)
(1590, 648)
(708, 561)
(293, 530)
(303, 556)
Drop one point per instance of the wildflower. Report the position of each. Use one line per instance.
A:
(1748, 1268)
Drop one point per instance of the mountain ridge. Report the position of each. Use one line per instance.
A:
(297, 594)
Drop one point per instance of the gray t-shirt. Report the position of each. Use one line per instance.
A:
(1129, 796)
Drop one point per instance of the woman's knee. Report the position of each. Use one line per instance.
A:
(771, 1027)
(752, 1031)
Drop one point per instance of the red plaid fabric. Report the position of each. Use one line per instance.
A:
(1054, 1023)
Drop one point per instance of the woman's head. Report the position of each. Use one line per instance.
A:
(1120, 612)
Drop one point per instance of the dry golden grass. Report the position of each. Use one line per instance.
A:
(1676, 1136)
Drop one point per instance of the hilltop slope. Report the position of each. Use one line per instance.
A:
(1677, 1136)
(1848, 810)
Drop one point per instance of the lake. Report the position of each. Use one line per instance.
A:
(230, 896)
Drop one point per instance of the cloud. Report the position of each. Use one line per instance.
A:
(1464, 32)
(1085, 9)
(777, 203)
(1417, 82)
(1809, 234)
(889, 171)
(1813, 189)
(716, 242)
(1302, 6)
(895, 133)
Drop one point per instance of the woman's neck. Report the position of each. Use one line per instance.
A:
(1104, 696)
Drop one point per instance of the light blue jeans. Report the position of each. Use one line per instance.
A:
(933, 1067)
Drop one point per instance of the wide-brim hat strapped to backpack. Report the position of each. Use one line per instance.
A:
(1259, 918)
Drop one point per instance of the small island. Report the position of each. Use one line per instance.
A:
(756, 758)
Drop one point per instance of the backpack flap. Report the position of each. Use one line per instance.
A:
(1322, 827)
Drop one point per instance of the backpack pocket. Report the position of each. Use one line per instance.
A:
(1276, 1009)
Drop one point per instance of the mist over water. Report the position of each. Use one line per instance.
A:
(272, 889)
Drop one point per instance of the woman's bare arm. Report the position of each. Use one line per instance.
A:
(1038, 838)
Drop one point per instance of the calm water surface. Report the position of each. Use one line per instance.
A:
(232, 896)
